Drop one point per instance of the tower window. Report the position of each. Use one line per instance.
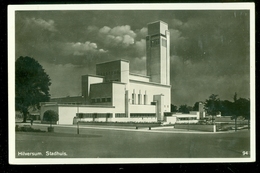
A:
(164, 42)
(155, 42)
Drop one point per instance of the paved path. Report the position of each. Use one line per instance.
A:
(163, 129)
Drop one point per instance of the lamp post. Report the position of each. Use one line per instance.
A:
(188, 123)
(78, 117)
(77, 127)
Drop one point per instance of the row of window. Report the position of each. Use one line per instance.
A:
(94, 115)
(143, 115)
(120, 115)
(188, 118)
(117, 115)
(139, 99)
(100, 100)
(156, 42)
(109, 73)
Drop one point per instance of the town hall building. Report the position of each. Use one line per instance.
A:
(114, 94)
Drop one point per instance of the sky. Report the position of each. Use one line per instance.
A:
(209, 49)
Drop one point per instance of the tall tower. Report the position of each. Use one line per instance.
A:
(158, 52)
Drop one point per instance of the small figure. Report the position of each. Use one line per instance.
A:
(31, 121)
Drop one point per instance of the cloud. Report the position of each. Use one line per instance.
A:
(104, 30)
(140, 48)
(121, 36)
(175, 23)
(102, 50)
(47, 25)
(141, 33)
(127, 40)
(92, 28)
(79, 48)
(138, 65)
(122, 30)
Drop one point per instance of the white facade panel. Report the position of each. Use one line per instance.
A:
(66, 114)
(119, 97)
(151, 90)
(143, 109)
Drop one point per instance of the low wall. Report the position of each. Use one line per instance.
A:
(145, 120)
(207, 128)
(121, 124)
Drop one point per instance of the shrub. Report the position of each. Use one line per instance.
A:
(50, 116)
(26, 129)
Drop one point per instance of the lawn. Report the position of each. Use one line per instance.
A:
(100, 143)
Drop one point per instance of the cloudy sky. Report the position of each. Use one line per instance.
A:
(209, 49)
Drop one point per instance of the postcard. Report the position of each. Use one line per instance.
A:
(131, 83)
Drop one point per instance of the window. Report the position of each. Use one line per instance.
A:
(141, 115)
(153, 103)
(155, 42)
(108, 99)
(139, 99)
(120, 115)
(93, 100)
(103, 99)
(164, 42)
(98, 100)
(145, 102)
(187, 118)
(133, 98)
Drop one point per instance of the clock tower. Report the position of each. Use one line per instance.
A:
(158, 52)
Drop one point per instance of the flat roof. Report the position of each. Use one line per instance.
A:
(81, 105)
(141, 75)
(108, 82)
(62, 97)
(158, 21)
(93, 75)
(113, 61)
(149, 83)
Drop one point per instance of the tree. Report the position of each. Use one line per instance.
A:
(185, 109)
(31, 85)
(226, 108)
(196, 106)
(51, 116)
(212, 105)
(241, 107)
(174, 108)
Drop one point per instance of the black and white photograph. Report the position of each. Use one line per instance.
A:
(131, 83)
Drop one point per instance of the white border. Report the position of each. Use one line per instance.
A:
(157, 6)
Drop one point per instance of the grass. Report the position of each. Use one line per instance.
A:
(93, 143)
